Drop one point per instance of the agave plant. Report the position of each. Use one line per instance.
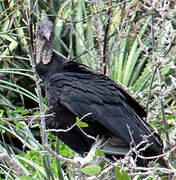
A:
(129, 57)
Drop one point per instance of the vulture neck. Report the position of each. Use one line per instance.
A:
(43, 51)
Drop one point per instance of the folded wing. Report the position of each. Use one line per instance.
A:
(109, 105)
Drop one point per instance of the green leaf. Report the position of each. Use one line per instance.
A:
(91, 170)
(121, 174)
(17, 124)
(81, 124)
(1, 113)
(99, 152)
(64, 150)
(25, 178)
(37, 167)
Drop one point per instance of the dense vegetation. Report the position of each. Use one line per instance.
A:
(133, 42)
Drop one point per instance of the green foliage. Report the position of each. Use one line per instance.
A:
(81, 124)
(35, 156)
(99, 152)
(26, 178)
(33, 167)
(91, 169)
(65, 150)
(121, 174)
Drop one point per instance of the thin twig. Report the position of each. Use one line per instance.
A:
(106, 35)
(62, 130)
(150, 87)
(100, 41)
(58, 156)
(44, 137)
(70, 128)
(27, 118)
(149, 3)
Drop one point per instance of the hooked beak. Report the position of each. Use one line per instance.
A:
(47, 36)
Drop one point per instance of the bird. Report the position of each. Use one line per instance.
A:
(74, 90)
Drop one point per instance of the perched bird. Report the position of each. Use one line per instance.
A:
(75, 90)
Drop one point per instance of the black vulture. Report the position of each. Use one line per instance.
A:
(75, 90)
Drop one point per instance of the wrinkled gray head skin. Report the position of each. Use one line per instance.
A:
(44, 41)
(45, 30)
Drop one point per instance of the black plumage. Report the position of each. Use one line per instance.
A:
(74, 90)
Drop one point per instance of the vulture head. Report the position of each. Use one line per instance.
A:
(44, 42)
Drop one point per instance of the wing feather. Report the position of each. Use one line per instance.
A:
(108, 103)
